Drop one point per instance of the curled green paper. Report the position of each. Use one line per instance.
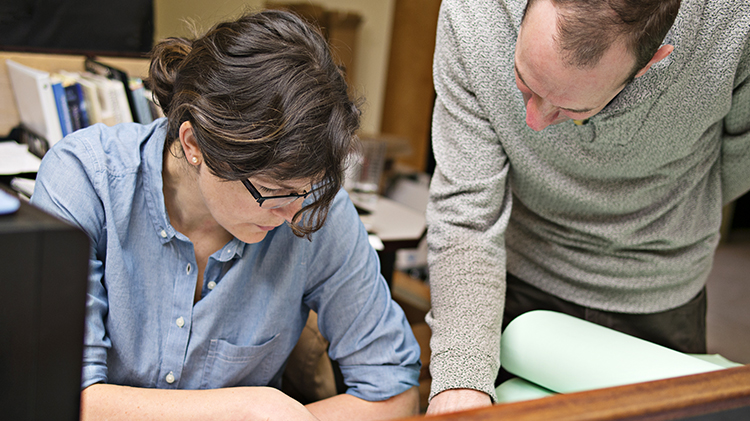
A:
(565, 354)
(518, 389)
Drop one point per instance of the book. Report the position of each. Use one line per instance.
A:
(142, 108)
(554, 353)
(35, 101)
(90, 95)
(113, 73)
(61, 101)
(113, 100)
(156, 110)
(77, 107)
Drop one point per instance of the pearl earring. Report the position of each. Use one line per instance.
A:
(195, 160)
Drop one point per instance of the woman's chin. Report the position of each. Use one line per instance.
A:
(252, 237)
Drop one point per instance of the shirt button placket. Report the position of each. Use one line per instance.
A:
(179, 336)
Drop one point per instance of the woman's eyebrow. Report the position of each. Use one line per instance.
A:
(280, 186)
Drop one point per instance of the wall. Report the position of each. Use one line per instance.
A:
(171, 17)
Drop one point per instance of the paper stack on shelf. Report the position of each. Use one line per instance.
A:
(15, 158)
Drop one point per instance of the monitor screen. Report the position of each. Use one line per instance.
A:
(43, 279)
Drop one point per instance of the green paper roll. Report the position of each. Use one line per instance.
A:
(566, 354)
(518, 389)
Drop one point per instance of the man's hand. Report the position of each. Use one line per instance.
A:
(454, 400)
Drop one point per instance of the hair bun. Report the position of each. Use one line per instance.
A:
(166, 58)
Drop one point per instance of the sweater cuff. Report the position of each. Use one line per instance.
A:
(456, 370)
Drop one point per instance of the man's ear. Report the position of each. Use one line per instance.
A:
(660, 55)
(189, 144)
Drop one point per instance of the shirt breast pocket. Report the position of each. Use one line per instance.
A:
(231, 365)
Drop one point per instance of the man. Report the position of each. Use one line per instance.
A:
(584, 152)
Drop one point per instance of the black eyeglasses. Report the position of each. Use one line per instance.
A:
(273, 202)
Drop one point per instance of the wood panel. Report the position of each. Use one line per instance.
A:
(671, 399)
(409, 95)
(341, 29)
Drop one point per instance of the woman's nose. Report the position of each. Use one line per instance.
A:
(288, 211)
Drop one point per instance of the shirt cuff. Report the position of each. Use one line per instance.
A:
(380, 382)
(94, 368)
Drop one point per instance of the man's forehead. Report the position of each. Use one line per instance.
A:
(543, 67)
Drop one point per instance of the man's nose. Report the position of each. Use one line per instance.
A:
(540, 113)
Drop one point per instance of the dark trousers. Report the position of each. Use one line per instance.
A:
(682, 329)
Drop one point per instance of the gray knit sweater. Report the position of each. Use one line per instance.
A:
(621, 214)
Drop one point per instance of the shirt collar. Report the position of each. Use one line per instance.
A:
(152, 157)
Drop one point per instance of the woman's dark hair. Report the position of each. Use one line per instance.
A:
(587, 28)
(264, 97)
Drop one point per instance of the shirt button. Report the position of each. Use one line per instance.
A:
(163, 234)
(170, 378)
(211, 285)
(180, 322)
(188, 268)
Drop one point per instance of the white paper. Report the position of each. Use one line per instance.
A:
(15, 158)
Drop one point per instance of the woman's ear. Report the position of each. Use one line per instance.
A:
(189, 144)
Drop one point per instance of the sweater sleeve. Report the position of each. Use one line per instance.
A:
(468, 213)
(735, 149)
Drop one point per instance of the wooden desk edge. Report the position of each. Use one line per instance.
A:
(660, 400)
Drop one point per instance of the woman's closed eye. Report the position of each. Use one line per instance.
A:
(265, 191)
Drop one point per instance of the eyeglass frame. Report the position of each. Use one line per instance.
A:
(260, 198)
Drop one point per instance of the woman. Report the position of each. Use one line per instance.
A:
(200, 283)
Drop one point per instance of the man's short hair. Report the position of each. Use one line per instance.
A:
(587, 28)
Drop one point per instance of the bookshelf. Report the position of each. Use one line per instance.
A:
(9, 117)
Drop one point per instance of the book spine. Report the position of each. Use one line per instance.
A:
(63, 111)
(141, 103)
(83, 105)
(77, 106)
(49, 109)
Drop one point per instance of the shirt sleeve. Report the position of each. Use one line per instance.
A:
(467, 215)
(735, 148)
(65, 187)
(369, 335)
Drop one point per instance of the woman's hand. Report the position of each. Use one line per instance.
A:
(347, 407)
(112, 402)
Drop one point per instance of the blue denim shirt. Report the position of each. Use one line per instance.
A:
(143, 328)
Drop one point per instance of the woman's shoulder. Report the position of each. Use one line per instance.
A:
(114, 149)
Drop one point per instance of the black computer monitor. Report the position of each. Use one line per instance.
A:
(43, 279)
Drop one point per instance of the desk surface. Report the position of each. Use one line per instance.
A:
(393, 222)
(724, 393)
